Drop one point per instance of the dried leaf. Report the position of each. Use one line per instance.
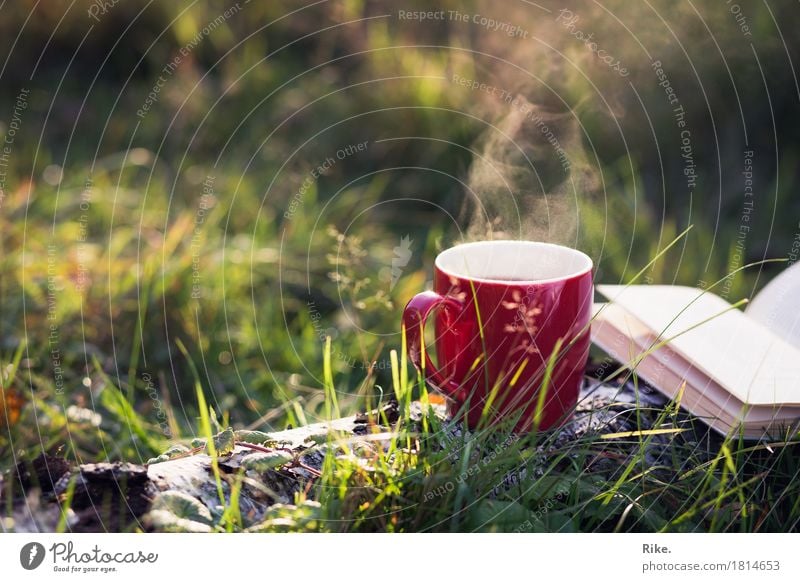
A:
(10, 406)
(434, 398)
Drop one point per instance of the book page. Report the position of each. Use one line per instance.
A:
(621, 346)
(738, 353)
(624, 337)
(777, 306)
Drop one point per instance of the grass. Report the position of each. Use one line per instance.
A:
(452, 484)
(431, 477)
(631, 498)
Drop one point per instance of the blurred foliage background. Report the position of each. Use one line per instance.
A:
(160, 185)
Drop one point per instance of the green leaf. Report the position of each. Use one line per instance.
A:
(176, 451)
(174, 511)
(224, 442)
(182, 505)
(491, 515)
(549, 487)
(166, 521)
(320, 438)
(555, 522)
(116, 403)
(255, 437)
(280, 517)
(170, 453)
(317, 439)
(261, 462)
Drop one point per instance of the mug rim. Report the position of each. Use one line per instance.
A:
(587, 266)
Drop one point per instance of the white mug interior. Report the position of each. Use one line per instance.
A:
(513, 260)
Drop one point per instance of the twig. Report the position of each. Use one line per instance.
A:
(312, 470)
(263, 449)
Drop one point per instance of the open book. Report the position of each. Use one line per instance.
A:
(741, 369)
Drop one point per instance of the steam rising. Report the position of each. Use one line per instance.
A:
(534, 169)
(530, 176)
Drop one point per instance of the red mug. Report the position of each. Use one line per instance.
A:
(511, 317)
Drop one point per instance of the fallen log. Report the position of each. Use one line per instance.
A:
(182, 490)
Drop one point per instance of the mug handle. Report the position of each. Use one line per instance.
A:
(414, 317)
